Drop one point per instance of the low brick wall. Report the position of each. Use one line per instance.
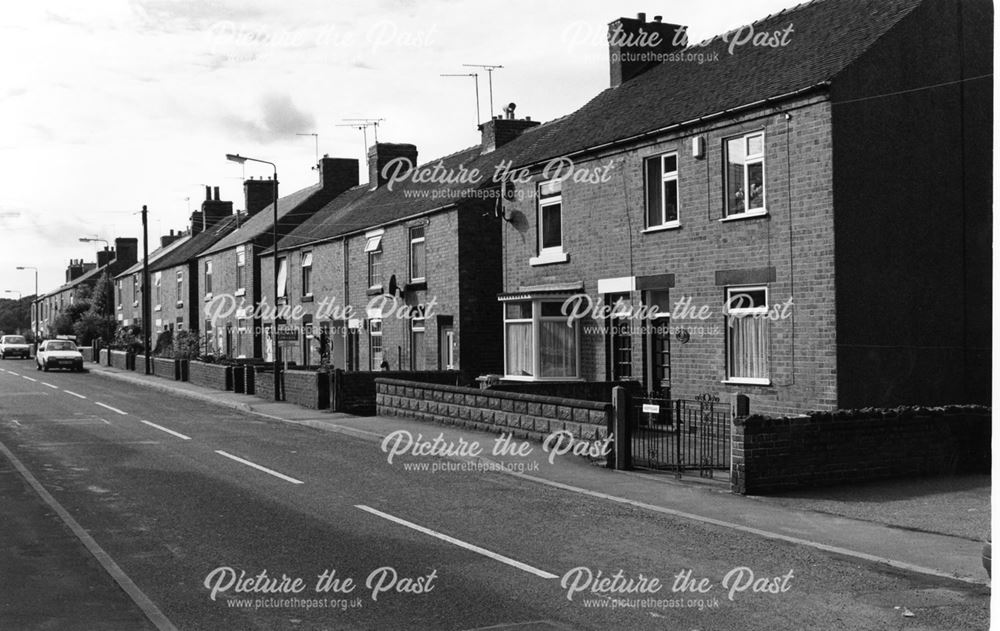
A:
(583, 390)
(263, 383)
(120, 360)
(827, 448)
(87, 352)
(354, 392)
(307, 388)
(215, 376)
(526, 416)
(166, 367)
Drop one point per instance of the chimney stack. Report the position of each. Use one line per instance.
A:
(167, 239)
(499, 131)
(213, 210)
(384, 153)
(635, 46)
(337, 175)
(105, 256)
(258, 195)
(127, 252)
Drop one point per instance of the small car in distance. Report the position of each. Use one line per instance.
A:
(14, 346)
(58, 354)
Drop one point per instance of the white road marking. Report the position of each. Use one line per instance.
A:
(104, 405)
(260, 468)
(74, 394)
(50, 385)
(169, 431)
(29, 378)
(16, 374)
(459, 543)
(148, 607)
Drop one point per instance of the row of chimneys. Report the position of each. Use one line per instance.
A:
(126, 251)
(626, 36)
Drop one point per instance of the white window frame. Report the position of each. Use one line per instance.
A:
(665, 176)
(551, 254)
(758, 312)
(241, 268)
(180, 287)
(135, 291)
(413, 241)
(375, 331)
(748, 160)
(282, 289)
(157, 281)
(418, 324)
(306, 265)
(374, 255)
(536, 335)
(208, 279)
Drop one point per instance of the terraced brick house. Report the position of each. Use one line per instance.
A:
(827, 200)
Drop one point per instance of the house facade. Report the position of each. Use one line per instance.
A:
(229, 271)
(786, 248)
(78, 274)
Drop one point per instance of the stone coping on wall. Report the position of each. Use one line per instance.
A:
(500, 394)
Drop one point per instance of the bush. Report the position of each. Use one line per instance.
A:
(186, 345)
(129, 339)
(164, 346)
(92, 326)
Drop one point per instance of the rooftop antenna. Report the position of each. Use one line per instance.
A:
(489, 68)
(363, 124)
(475, 76)
(316, 138)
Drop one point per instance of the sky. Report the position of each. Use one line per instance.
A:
(110, 105)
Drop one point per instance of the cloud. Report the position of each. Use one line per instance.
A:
(279, 117)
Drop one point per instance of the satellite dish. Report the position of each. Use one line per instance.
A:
(393, 287)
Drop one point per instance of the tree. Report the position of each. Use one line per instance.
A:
(102, 299)
(92, 326)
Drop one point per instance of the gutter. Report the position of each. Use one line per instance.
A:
(675, 126)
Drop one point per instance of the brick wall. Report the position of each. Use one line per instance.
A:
(119, 360)
(604, 237)
(214, 376)
(822, 449)
(166, 368)
(523, 415)
(354, 392)
(307, 388)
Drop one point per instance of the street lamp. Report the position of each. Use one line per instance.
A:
(95, 239)
(35, 303)
(238, 159)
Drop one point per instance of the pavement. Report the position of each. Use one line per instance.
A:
(932, 526)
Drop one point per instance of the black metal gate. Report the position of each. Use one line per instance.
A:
(680, 435)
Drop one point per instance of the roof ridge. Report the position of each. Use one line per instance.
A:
(784, 11)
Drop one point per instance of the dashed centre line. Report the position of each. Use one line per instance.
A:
(80, 396)
(276, 474)
(108, 407)
(49, 385)
(458, 542)
(29, 378)
(169, 431)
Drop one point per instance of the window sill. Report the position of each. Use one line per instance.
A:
(180, 303)
(746, 215)
(673, 225)
(240, 292)
(549, 257)
(416, 285)
(374, 291)
(307, 298)
(157, 308)
(735, 381)
(208, 296)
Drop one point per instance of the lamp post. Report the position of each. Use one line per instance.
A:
(147, 306)
(238, 159)
(95, 239)
(35, 302)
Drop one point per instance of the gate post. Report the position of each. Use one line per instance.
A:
(623, 439)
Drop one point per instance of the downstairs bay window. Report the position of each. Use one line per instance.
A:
(538, 342)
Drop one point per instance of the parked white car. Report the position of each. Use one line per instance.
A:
(14, 346)
(59, 354)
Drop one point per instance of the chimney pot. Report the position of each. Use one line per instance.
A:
(208, 193)
(657, 18)
(217, 193)
(641, 17)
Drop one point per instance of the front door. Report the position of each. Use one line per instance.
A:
(657, 338)
(447, 357)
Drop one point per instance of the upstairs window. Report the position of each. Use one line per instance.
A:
(241, 263)
(282, 277)
(307, 261)
(550, 216)
(157, 282)
(662, 210)
(373, 248)
(208, 277)
(744, 177)
(418, 255)
(180, 287)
